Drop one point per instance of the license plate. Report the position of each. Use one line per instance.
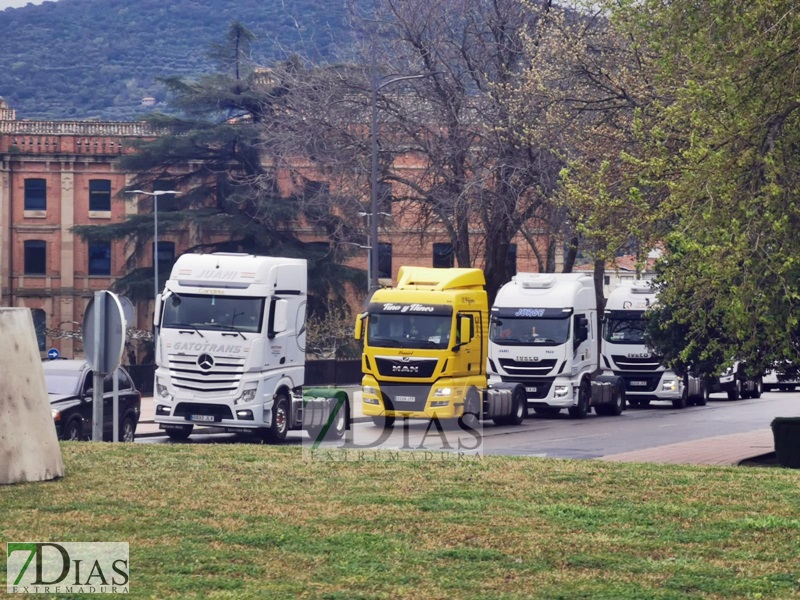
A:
(532, 390)
(405, 399)
(640, 383)
(204, 418)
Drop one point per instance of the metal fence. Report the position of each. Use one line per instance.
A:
(318, 372)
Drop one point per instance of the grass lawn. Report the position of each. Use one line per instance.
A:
(249, 521)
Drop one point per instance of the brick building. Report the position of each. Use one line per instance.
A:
(58, 174)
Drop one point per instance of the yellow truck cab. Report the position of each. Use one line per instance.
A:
(425, 346)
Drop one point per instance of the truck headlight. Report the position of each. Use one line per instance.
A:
(561, 391)
(368, 389)
(440, 403)
(247, 396)
(370, 401)
(444, 392)
(162, 390)
(56, 414)
(670, 385)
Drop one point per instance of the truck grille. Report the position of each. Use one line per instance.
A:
(640, 382)
(624, 363)
(527, 369)
(406, 366)
(410, 397)
(206, 373)
(218, 411)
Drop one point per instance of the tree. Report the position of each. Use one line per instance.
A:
(725, 145)
(232, 197)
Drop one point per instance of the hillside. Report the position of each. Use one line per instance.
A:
(81, 59)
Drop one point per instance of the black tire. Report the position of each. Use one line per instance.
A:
(73, 430)
(279, 427)
(383, 422)
(519, 410)
(180, 434)
(756, 393)
(546, 411)
(702, 399)
(736, 392)
(127, 430)
(617, 406)
(336, 430)
(472, 411)
(683, 401)
(584, 398)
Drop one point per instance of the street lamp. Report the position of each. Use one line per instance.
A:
(155, 196)
(370, 270)
(374, 245)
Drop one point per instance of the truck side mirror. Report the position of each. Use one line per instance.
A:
(466, 330)
(359, 332)
(581, 331)
(278, 317)
(157, 312)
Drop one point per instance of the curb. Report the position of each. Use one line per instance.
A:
(162, 433)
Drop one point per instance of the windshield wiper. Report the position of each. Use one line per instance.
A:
(186, 326)
(233, 327)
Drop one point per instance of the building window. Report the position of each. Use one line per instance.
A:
(166, 252)
(384, 260)
(100, 195)
(35, 257)
(443, 255)
(100, 258)
(40, 327)
(35, 194)
(511, 259)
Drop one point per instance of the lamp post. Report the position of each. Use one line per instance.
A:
(155, 196)
(374, 245)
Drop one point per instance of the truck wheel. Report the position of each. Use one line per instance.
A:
(736, 392)
(702, 399)
(472, 410)
(519, 408)
(383, 422)
(683, 401)
(277, 431)
(180, 434)
(756, 393)
(584, 397)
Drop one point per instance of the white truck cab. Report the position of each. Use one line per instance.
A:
(626, 355)
(543, 333)
(230, 349)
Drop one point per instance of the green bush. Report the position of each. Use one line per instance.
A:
(786, 431)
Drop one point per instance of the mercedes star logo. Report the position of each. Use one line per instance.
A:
(205, 361)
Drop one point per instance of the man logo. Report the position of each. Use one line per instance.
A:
(205, 361)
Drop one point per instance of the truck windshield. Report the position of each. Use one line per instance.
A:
(624, 330)
(229, 313)
(530, 331)
(409, 331)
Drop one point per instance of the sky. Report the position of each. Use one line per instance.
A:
(17, 3)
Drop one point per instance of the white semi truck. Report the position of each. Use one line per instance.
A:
(625, 353)
(230, 350)
(544, 333)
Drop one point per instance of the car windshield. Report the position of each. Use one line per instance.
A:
(624, 330)
(409, 330)
(62, 383)
(213, 312)
(530, 331)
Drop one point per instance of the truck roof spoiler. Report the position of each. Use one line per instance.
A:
(426, 278)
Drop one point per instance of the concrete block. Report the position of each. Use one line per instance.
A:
(29, 449)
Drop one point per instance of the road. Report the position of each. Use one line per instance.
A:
(562, 437)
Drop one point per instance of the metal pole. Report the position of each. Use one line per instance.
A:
(99, 348)
(115, 408)
(155, 248)
(373, 242)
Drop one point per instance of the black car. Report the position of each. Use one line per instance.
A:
(70, 389)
